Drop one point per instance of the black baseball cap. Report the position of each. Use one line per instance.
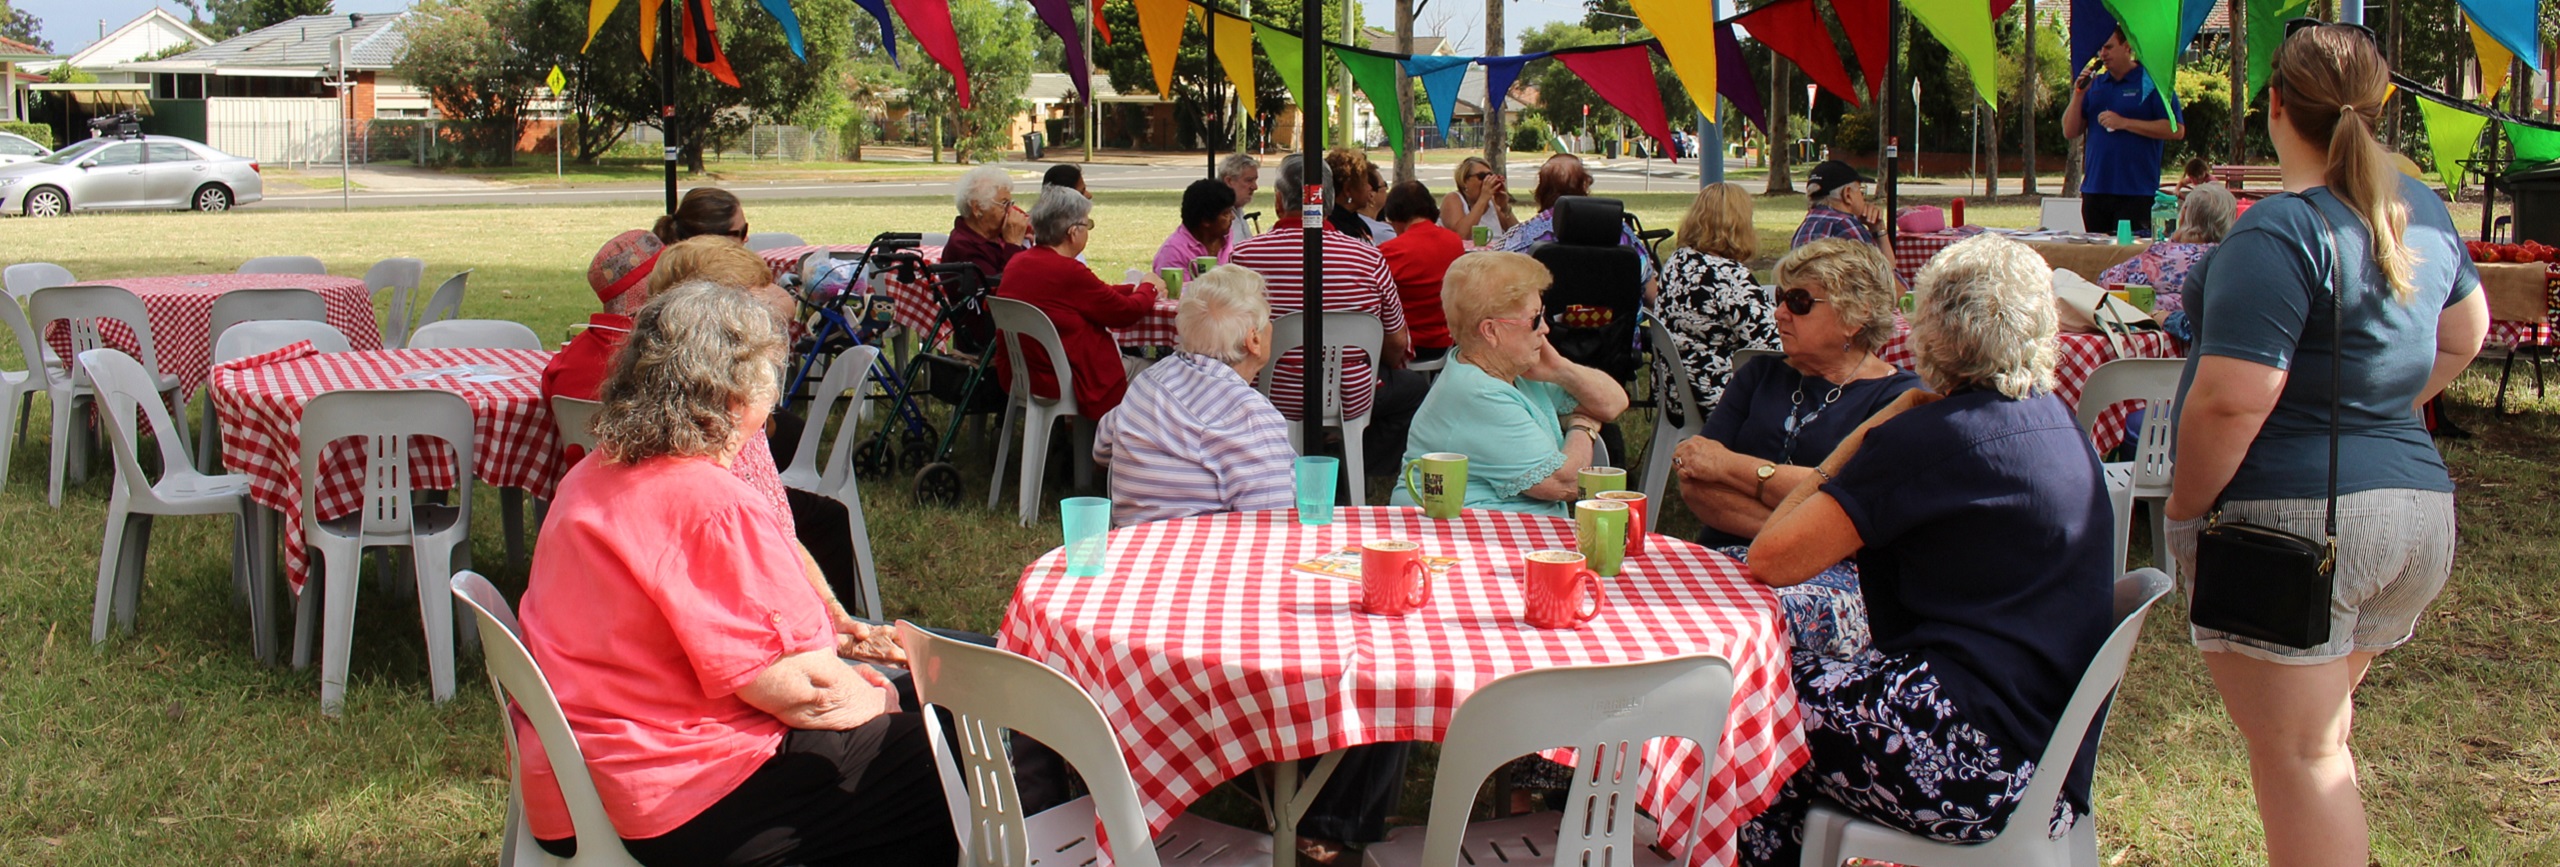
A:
(1832, 175)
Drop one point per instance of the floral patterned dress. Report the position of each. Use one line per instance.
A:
(1712, 307)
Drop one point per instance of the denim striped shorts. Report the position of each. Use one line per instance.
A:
(2395, 549)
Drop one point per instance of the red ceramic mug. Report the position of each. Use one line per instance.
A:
(1557, 587)
(1393, 581)
(1635, 517)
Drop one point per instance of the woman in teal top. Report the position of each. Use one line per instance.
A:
(1524, 416)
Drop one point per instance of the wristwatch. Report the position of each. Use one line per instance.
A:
(1763, 474)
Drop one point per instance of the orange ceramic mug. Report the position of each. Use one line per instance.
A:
(1556, 589)
(1393, 582)
(1635, 517)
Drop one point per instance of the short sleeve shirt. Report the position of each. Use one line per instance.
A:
(660, 589)
(1752, 417)
(1511, 432)
(2121, 162)
(1987, 538)
(1824, 221)
(2263, 296)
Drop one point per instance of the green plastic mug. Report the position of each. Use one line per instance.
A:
(1438, 481)
(1600, 533)
(1201, 265)
(1483, 235)
(1172, 281)
(1597, 479)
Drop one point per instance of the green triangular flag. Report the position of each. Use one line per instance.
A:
(2453, 134)
(1376, 77)
(1964, 27)
(2533, 144)
(2151, 28)
(1287, 54)
(2266, 31)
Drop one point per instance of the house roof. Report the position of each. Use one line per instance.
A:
(1382, 39)
(14, 50)
(374, 41)
(96, 55)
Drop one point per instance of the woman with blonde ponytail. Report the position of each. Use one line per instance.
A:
(2356, 250)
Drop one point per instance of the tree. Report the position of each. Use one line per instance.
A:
(23, 26)
(776, 87)
(465, 55)
(235, 17)
(1131, 72)
(996, 49)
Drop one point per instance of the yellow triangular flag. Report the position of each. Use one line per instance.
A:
(649, 29)
(1689, 42)
(2494, 59)
(1235, 54)
(1160, 24)
(597, 12)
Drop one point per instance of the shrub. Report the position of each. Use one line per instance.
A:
(1530, 133)
(41, 133)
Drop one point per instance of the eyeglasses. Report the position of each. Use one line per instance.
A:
(1479, 176)
(1798, 301)
(1086, 225)
(1533, 321)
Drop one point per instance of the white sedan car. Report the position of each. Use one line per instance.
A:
(16, 148)
(121, 174)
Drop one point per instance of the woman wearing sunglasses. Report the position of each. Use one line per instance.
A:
(2351, 239)
(1481, 199)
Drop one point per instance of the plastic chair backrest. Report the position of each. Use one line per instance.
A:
(933, 239)
(387, 420)
(762, 241)
(80, 307)
(402, 277)
(1015, 320)
(2134, 595)
(22, 332)
(127, 396)
(2148, 379)
(514, 675)
(446, 303)
(246, 305)
(24, 278)
(989, 691)
(284, 265)
(1744, 356)
(576, 419)
(2062, 215)
(474, 334)
(256, 336)
(1606, 713)
(1341, 329)
(846, 373)
(1683, 395)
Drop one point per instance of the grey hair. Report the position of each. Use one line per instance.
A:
(1235, 165)
(978, 188)
(1219, 310)
(1985, 319)
(1057, 212)
(1858, 279)
(1291, 185)
(694, 351)
(2208, 212)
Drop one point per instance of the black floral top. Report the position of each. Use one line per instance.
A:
(1712, 307)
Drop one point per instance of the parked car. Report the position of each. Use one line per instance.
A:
(15, 148)
(151, 172)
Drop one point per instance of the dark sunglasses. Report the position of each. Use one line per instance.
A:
(1479, 176)
(1798, 301)
(2294, 25)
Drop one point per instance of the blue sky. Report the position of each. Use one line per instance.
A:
(73, 24)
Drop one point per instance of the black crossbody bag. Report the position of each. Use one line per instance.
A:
(2267, 583)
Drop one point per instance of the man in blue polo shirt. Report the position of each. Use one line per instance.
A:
(2126, 122)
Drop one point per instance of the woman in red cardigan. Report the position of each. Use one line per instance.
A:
(1083, 307)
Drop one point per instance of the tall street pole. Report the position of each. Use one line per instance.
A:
(1349, 37)
(667, 95)
(1884, 107)
(1209, 102)
(1496, 137)
(1311, 217)
(1404, 92)
(1091, 114)
(2027, 112)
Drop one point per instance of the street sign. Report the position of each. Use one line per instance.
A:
(559, 83)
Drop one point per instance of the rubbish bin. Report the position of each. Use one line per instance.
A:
(1034, 146)
(2537, 192)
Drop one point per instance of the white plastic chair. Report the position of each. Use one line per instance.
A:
(1015, 319)
(1676, 393)
(762, 241)
(1606, 713)
(514, 675)
(126, 396)
(576, 420)
(1831, 835)
(833, 477)
(474, 334)
(401, 278)
(80, 308)
(2146, 477)
(1342, 331)
(2061, 215)
(24, 278)
(445, 303)
(249, 305)
(284, 265)
(933, 239)
(391, 423)
(262, 335)
(989, 692)
(18, 388)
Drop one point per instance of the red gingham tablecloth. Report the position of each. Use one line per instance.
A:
(913, 306)
(1211, 656)
(260, 399)
(2081, 355)
(181, 311)
(1913, 250)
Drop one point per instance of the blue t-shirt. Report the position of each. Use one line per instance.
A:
(2121, 162)
(1752, 416)
(2263, 296)
(1987, 544)
(1511, 432)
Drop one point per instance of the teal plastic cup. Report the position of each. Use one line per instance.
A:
(1088, 532)
(1316, 480)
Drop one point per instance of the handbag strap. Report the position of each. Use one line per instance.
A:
(2337, 347)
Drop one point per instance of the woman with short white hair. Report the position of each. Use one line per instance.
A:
(1980, 522)
(2205, 214)
(1193, 436)
(1083, 308)
(989, 229)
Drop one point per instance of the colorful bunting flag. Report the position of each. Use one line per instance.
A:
(2191, 18)
(2495, 59)
(1286, 53)
(1440, 77)
(2533, 144)
(702, 43)
(2266, 31)
(1689, 42)
(1376, 78)
(1734, 79)
(1061, 19)
(1964, 27)
(649, 29)
(2511, 23)
(2090, 24)
(2453, 134)
(1868, 24)
(1160, 24)
(1100, 25)
(597, 12)
(1790, 28)
(879, 9)
(1500, 72)
(2151, 29)
(929, 21)
(1624, 77)
(790, 21)
(1233, 42)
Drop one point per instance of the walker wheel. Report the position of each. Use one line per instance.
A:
(872, 459)
(938, 484)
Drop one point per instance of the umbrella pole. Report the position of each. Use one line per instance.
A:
(667, 96)
(1311, 397)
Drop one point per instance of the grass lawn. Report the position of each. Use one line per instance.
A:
(170, 746)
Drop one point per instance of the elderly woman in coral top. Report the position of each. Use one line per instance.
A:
(1084, 308)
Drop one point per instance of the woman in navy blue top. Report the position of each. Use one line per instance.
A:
(1980, 522)
(2356, 247)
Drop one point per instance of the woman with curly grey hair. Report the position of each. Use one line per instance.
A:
(1979, 519)
(696, 661)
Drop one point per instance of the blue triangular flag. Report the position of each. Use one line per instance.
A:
(1499, 72)
(888, 34)
(790, 21)
(1440, 79)
(2511, 22)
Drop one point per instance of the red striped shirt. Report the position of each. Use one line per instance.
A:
(1356, 280)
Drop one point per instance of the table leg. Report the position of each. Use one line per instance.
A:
(1289, 801)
